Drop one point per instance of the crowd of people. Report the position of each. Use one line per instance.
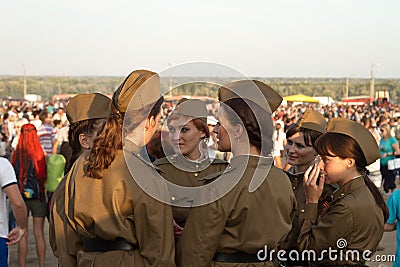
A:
(154, 184)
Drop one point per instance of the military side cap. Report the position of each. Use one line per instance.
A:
(313, 120)
(359, 133)
(139, 89)
(193, 108)
(256, 91)
(88, 106)
(183, 99)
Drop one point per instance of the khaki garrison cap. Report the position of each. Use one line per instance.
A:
(313, 120)
(88, 106)
(359, 133)
(256, 91)
(193, 108)
(183, 99)
(140, 88)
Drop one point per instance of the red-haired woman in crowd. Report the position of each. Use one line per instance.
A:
(28, 160)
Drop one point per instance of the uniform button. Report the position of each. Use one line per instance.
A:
(197, 166)
(196, 174)
(172, 198)
(302, 210)
(295, 179)
(342, 194)
(171, 158)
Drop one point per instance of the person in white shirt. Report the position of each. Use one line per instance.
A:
(9, 188)
(279, 138)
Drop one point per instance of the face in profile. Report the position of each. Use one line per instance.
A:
(185, 137)
(153, 126)
(224, 131)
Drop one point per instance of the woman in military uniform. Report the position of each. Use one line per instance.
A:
(353, 225)
(249, 207)
(113, 194)
(301, 155)
(188, 133)
(86, 114)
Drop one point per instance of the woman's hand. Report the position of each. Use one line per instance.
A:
(312, 186)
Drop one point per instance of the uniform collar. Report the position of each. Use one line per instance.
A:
(129, 145)
(139, 152)
(251, 161)
(298, 177)
(291, 171)
(260, 166)
(354, 183)
(185, 164)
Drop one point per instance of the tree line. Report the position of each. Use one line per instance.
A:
(47, 86)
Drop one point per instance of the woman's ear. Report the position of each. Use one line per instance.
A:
(238, 130)
(150, 122)
(153, 121)
(350, 162)
(84, 141)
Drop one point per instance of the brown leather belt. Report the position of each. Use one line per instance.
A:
(101, 245)
(237, 257)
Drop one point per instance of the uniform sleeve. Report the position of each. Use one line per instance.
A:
(200, 238)
(64, 241)
(392, 204)
(155, 232)
(319, 234)
(52, 223)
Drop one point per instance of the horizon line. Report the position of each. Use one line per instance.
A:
(186, 76)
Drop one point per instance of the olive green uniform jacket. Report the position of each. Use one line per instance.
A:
(297, 181)
(183, 172)
(354, 222)
(117, 207)
(240, 220)
(64, 241)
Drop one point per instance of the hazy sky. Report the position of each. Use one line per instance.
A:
(281, 38)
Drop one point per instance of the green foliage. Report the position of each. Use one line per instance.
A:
(47, 86)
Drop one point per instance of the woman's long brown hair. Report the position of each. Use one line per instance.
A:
(106, 145)
(87, 127)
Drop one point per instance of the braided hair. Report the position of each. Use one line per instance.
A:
(259, 132)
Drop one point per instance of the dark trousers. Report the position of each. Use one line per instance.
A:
(388, 178)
